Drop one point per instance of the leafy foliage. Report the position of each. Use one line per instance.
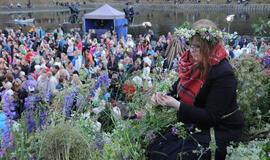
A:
(262, 28)
(253, 93)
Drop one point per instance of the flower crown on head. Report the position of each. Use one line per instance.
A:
(185, 33)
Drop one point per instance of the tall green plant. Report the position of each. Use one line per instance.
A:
(64, 141)
(262, 28)
(253, 93)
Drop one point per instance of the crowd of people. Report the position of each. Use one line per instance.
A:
(260, 48)
(56, 59)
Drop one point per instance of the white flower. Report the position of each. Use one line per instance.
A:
(16, 126)
(97, 110)
(96, 126)
(86, 115)
(117, 113)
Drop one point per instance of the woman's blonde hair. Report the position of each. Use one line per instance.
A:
(206, 47)
(76, 80)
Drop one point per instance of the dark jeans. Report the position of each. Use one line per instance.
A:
(169, 147)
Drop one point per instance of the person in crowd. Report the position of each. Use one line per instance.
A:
(262, 49)
(70, 51)
(52, 82)
(77, 61)
(42, 82)
(239, 42)
(237, 52)
(260, 42)
(231, 54)
(76, 80)
(7, 93)
(205, 99)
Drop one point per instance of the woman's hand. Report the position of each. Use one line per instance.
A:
(154, 99)
(166, 101)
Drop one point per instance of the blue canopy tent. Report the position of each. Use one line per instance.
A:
(106, 18)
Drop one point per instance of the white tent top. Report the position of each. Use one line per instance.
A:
(105, 12)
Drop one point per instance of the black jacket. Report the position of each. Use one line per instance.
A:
(113, 66)
(216, 98)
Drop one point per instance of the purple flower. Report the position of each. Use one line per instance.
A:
(42, 120)
(99, 143)
(202, 151)
(48, 96)
(9, 113)
(174, 131)
(30, 83)
(266, 61)
(210, 36)
(203, 34)
(103, 81)
(191, 128)
(30, 107)
(70, 98)
(224, 30)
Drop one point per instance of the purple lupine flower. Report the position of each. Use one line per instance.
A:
(48, 96)
(67, 105)
(99, 143)
(224, 30)
(42, 117)
(70, 99)
(103, 81)
(30, 106)
(30, 83)
(9, 112)
(174, 131)
(31, 125)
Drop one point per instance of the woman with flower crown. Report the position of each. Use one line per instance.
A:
(205, 99)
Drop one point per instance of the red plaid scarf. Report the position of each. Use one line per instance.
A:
(190, 83)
